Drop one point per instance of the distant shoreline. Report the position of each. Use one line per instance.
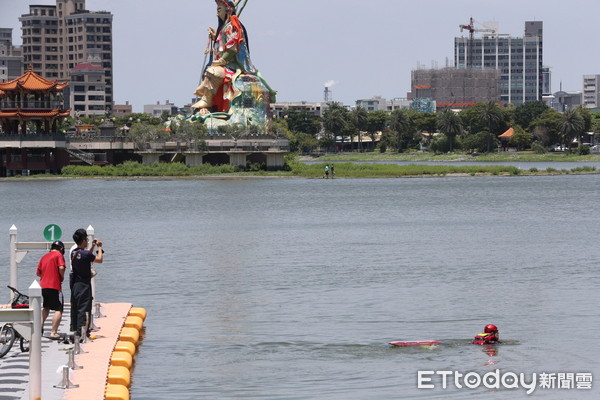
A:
(348, 165)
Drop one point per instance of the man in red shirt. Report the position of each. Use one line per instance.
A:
(51, 270)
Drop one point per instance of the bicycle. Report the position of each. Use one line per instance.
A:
(8, 334)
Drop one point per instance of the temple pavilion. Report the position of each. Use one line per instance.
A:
(31, 108)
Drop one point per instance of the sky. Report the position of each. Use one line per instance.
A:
(363, 48)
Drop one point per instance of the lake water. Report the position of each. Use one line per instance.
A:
(291, 288)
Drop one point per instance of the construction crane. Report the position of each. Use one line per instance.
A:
(471, 28)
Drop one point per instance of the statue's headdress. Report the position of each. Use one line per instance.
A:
(227, 3)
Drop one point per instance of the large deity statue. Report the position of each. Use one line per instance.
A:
(231, 87)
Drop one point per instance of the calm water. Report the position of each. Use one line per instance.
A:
(291, 288)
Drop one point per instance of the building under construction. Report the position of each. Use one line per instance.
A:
(456, 88)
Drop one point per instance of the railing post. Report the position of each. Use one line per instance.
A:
(12, 233)
(35, 343)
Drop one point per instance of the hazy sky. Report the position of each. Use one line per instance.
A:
(367, 48)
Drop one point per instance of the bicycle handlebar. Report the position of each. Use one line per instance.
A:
(16, 291)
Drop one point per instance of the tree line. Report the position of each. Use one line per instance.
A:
(476, 129)
(536, 126)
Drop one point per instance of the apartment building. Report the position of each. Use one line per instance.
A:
(591, 91)
(378, 103)
(280, 109)
(87, 91)
(11, 57)
(57, 38)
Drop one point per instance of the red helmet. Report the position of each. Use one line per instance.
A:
(490, 328)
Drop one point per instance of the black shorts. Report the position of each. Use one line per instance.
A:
(53, 299)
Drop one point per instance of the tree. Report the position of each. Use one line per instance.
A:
(528, 112)
(571, 125)
(303, 142)
(587, 117)
(335, 121)
(450, 125)
(360, 117)
(520, 139)
(188, 130)
(490, 115)
(401, 124)
(587, 122)
(545, 128)
(143, 133)
(423, 121)
(596, 125)
(479, 142)
(473, 121)
(376, 122)
(303, 121)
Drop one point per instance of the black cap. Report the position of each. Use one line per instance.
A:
(57, 245)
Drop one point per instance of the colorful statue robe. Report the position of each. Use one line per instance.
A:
(229, 61)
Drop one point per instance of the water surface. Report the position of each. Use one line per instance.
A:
(291, 288)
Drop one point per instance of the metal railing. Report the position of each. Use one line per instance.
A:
(8, 105)
(216, 145)
(29, 325)
(208, 145)
(57, 137)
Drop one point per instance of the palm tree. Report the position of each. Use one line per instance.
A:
(489, 116)
(360, 118)
(571, 126)
(450, 125)
(335, 120)
(400, 123)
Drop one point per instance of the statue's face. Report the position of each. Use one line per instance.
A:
(221, 11)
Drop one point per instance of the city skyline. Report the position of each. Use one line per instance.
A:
(362, 50)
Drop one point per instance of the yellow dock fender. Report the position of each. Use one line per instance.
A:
(121, 359)
(138, 312)
(119, 375)
(116, 392)
(133, 321)
(123, 345)
(130, 335)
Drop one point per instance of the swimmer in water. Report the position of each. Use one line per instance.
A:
(489, 336)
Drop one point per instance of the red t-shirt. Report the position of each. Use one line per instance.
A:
(48, 270)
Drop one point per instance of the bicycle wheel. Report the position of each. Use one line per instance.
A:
(7, 338)
(24, 344)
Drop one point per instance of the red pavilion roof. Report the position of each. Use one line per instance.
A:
(508, 133)
(35, 114)
(30, 81)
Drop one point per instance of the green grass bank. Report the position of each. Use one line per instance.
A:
(298, 169)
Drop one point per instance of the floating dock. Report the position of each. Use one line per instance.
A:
(102, 369)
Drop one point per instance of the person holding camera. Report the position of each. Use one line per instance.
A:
(81, 280)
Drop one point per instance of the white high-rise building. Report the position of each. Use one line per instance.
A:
(591, 91)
